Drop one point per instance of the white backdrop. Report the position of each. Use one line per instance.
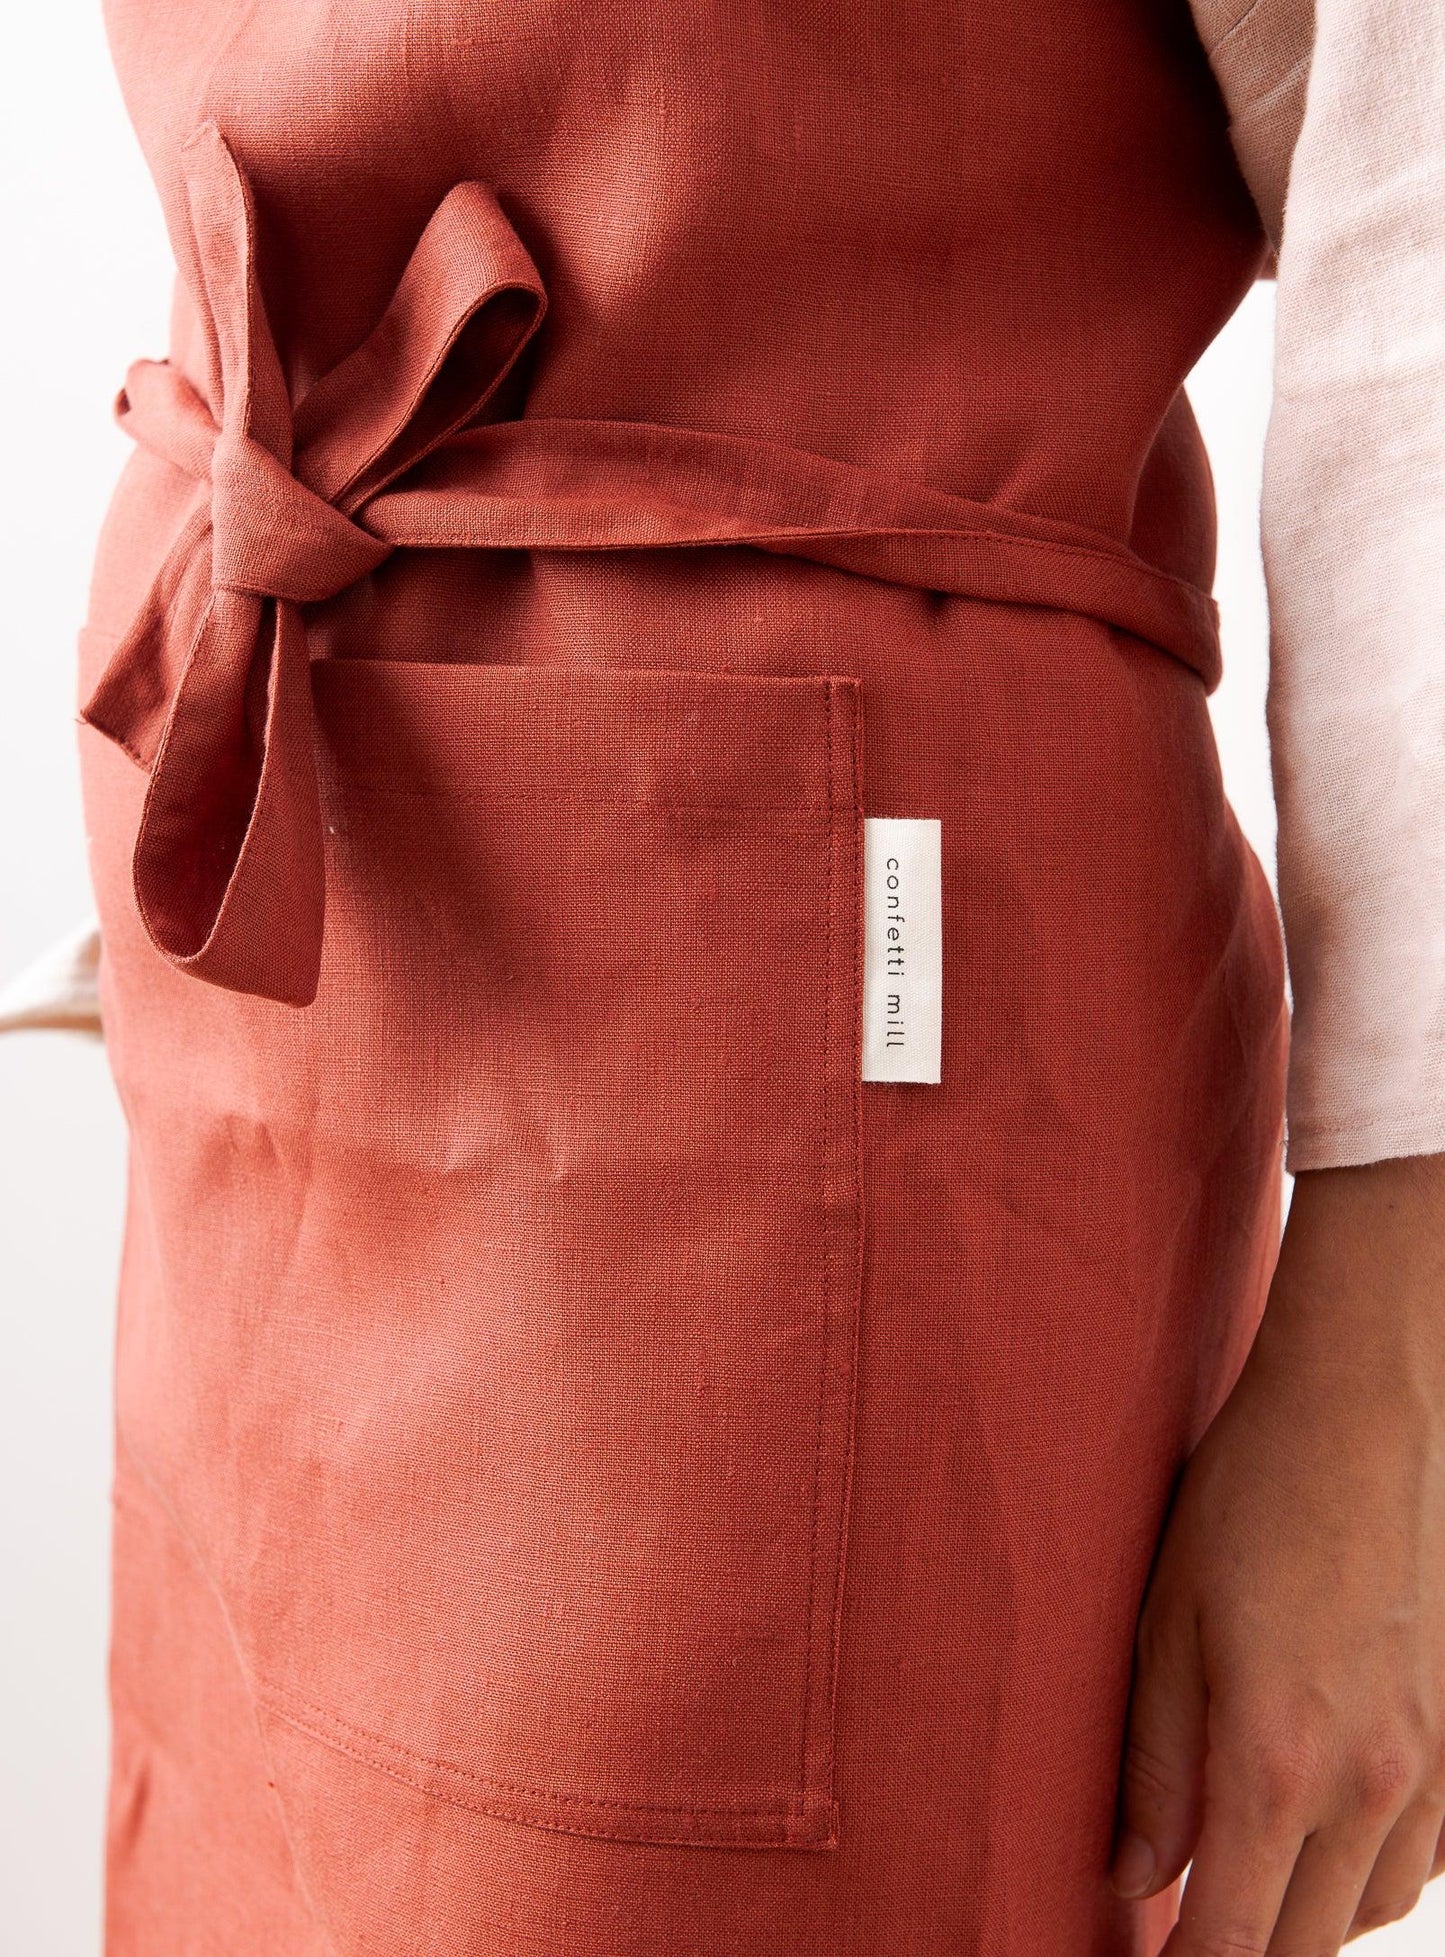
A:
(88, 283)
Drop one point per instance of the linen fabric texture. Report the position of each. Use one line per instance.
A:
(1348, 514)
(594, 1475)
(1354, 529)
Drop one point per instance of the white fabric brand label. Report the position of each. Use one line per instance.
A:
(903, 949)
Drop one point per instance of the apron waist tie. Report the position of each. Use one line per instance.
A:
(209, 689)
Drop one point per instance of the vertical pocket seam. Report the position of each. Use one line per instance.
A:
(829, 1008)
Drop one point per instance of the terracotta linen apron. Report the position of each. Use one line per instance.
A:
(595, 1476)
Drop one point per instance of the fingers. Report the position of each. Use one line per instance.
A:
(1161, 1792)
(1410, 1856)
(1242, 1869)
(1329, 1881)
(1301, 1850)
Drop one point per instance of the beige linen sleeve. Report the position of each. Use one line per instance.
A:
(1353, 535)
(58, 991)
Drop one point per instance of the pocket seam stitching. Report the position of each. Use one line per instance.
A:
(824, 1097)
(282, 1702)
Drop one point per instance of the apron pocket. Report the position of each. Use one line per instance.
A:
(561, 1422)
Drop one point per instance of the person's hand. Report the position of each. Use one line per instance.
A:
(1287, 1726)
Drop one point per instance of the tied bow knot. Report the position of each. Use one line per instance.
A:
(273, 537)
(210, 686)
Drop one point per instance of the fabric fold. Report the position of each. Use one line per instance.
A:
(209, 688)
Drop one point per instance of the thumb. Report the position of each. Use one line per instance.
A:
(1162, 1790)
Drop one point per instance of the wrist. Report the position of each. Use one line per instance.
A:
(1359, 1290)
